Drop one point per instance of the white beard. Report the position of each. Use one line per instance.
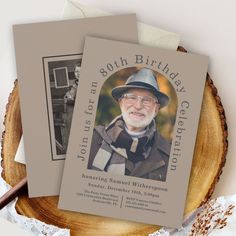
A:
(138, 123)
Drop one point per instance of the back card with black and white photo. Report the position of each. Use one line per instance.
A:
(48, 58)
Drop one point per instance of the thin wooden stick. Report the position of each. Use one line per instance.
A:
(13, 192)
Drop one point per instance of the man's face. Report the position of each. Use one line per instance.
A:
(77, 72)
(138, 107)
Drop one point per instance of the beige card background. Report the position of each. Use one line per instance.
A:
(33, 42)
(192, 71)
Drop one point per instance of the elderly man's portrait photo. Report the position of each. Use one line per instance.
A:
(134, 124)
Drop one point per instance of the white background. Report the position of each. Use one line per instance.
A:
(206, 27)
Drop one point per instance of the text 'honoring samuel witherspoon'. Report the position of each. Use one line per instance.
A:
(110, 180)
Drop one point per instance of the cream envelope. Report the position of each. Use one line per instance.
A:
(148, 35)
(20, 153)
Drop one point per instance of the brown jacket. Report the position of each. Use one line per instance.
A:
(154, 167)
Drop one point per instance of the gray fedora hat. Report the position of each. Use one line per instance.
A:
(144, 79)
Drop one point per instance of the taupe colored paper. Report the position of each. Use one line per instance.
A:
(48, 58)
(132, 142)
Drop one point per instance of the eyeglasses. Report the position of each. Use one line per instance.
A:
(146, 101)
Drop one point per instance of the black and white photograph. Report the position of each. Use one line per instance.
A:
(134, 124)
(61, 79)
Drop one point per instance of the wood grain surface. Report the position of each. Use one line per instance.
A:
(209, 159)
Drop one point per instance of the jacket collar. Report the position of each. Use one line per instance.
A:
(155, 160)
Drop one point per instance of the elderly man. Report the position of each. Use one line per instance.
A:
(130, 144)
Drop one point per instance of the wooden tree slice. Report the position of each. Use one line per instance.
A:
(209, 159)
